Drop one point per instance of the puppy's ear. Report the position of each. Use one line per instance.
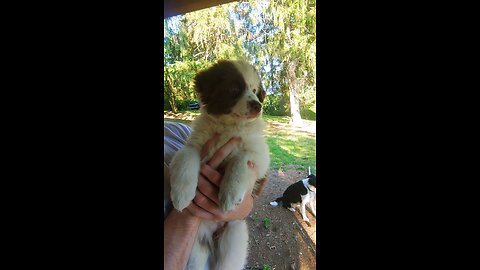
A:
(199, 82)
(206, 79)
(219, 87)
(261, 94)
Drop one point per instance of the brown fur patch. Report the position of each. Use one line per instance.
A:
(261, 94)
(220, 87)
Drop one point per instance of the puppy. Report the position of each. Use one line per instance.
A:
(299, 194)
(231, 96)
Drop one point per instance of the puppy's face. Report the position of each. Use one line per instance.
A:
(231, 90)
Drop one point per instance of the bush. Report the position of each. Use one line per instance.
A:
(308, 114)
(274, 105)
(182, 105)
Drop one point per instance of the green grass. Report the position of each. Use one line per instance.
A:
(289, 148)
(272, 118)
(290, 151)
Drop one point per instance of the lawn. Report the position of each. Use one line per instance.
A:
(290, 147)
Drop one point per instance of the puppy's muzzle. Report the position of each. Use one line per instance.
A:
(254, 106)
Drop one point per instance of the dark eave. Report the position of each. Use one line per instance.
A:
(177, 7)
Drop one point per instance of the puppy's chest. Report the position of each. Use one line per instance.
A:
(223, 139)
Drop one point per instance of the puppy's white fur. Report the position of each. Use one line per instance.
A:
(230, 249)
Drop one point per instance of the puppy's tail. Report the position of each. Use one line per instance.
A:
(277, 200)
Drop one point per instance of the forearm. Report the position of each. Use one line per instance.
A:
(179, 233)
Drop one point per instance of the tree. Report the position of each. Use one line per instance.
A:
(295, 45)
(277, 36)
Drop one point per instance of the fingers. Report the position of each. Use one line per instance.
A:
(208, 205)
(197, 211)
(223, 152)
(205, 203)
(208, 189)
(210, 174)
(205, 208)
(208, 145)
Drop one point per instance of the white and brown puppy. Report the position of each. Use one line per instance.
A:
(231, 95)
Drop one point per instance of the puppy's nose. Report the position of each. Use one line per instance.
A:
(255, 106)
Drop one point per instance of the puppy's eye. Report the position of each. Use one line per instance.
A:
(254, 90)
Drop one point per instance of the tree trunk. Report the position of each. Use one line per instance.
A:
(171, 101)
(170, 94)
(294, 97)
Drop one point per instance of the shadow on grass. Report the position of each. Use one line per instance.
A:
(295, 153)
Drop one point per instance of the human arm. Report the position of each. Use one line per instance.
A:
(179, 233)
(180, 228)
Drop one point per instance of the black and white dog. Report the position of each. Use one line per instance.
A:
(298, 195)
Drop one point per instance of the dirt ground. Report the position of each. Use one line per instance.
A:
(280, 238)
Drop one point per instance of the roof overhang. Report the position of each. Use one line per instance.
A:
(177, 7)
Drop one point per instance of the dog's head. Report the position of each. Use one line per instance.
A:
(312, 180)
(231, 90)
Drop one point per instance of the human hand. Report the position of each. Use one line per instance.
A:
(205, 205)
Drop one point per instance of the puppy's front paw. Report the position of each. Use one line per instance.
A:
(230, 200)
(181, 199)
(182, 193)
(184, 171)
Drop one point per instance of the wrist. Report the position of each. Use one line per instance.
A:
(184, 217)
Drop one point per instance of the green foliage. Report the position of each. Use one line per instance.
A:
(275, 105)
(267, 222)
(277, 36)
(309, 113)
(266, 267)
